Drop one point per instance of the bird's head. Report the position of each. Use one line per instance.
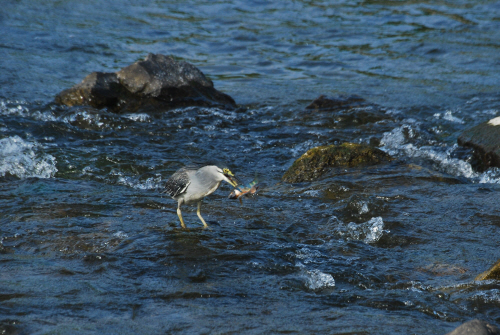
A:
(228, 176)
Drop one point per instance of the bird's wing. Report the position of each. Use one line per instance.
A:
(178, 182)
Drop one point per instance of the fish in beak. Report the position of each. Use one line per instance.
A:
(242, 191)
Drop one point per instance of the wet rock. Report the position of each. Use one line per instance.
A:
(492, 273)
(438, 269)
(10, 327)
(343, 112)
(325, 103)
(475, 327)
(159, 82)
(198, 276)
(315, 162)
(485, 140)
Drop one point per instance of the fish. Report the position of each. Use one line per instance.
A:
(242, 191)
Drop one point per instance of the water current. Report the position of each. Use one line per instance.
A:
(89, 244)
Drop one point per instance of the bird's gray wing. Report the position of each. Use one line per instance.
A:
(177, 183)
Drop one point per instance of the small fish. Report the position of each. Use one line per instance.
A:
(242, 191)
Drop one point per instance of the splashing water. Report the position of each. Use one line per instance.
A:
(368, 232)
(316, 280)
(396, 143)
(24, 159)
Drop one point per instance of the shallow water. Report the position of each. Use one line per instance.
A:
(90, 245)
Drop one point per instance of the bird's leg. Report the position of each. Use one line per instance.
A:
(179, 214)
(199, 215)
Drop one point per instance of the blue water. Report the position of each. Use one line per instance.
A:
(88, 244)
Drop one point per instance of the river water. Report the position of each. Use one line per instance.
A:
(90, 245)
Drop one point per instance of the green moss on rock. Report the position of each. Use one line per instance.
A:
(316, 161)
(492, 273)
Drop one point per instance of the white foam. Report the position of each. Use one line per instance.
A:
(316, 280)
(392, 141)
(363, 208)
(313, 193)
(448, 116)
(140, 117)
(490, 296)
(307, 255)
(395, 143)
(491, 176)
(25, 159)
(120, 234)
(374, 229)
(149, 184)
(368, 232)
(19, 108)
(495, 121)
(91, 118)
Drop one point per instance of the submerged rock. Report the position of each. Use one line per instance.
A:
(485, 140)
(325, 103)
(439, 269)
(475, 327)
(346, 111)
(492, 273)
(158, 82)
(316, 161)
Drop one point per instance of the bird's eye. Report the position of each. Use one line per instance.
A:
(227, 172)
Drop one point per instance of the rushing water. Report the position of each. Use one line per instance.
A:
(89, 244)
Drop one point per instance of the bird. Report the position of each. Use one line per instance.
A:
(193, 183)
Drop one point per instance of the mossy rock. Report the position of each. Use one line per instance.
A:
(492, 273)
(315, 162)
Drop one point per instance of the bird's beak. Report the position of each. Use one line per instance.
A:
(232, 180)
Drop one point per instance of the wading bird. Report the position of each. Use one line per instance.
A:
(192, 184)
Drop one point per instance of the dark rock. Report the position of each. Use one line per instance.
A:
(325, 103)
(485, 140)
(158, 82)
(98, 89)
(438, 269)
(344, 112)
(475, 327)
(10, 327)
(316, 161)
(492, 273)
(198, 276)
(358, 117)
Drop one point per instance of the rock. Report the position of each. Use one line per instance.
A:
(492, 273)
(349, 111)
(475, 327)
(324, 103)
(485, 140)
(442, 269)
(98, 89)
(316, 161)
(198, 276)
(158, 82)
